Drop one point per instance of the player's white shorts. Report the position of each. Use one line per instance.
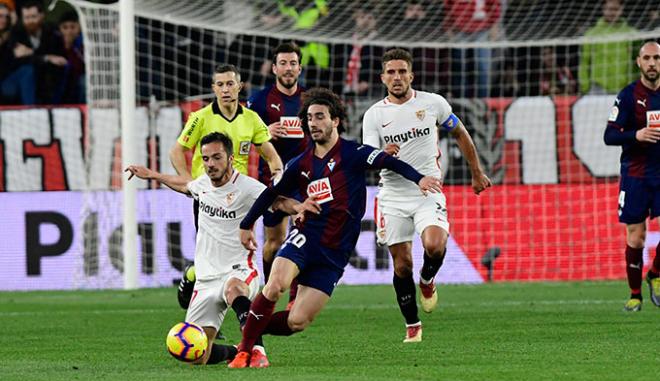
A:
(398, 218)
(208, 305)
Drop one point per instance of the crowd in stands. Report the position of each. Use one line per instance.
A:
(43, 64)
(40, 63)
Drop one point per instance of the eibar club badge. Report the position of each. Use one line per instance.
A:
(331, 164)
(420, 114)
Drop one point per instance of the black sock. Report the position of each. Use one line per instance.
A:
(185, 290)
(241, 306)
(431, 266)
(220, 353)
(636, 296)
(405, 296)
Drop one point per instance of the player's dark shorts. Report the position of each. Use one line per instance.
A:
(638, 198)
(320, 268)
(272, 219)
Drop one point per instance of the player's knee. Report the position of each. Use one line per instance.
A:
(403, 267)
(636, 242)
(274, 289)
(298, 323)
(636, 237)
(235, 290)
(271, 245)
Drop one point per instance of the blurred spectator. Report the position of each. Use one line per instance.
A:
(315, 55)
(422, 19)
(607, 67)
(359, 79)
(555, 78)
(5, 52)
(73, 82)
(472, 21)
(11, 5)
(36, 61)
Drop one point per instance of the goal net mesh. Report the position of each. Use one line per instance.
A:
(533, 81)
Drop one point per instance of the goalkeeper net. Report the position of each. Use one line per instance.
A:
(532, 81)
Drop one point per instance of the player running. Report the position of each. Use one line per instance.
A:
(634, 124)
(225, 272)
(278, 106)
(405, 124)
(332, 172)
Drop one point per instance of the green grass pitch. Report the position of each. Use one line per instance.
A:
(506, 331)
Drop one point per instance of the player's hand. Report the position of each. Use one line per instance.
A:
(392, 149)
(430, 184)
(277, 130)
(56, 60)
(309, 205)
(276, 176)
(648, 135)
(248, 239)
(480, 182)
(139, 171)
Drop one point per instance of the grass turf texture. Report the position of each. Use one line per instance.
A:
(535, 331)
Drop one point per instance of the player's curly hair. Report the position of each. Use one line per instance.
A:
(397, 54)
(325, 97)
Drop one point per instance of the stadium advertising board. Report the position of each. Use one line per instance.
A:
(49, 243)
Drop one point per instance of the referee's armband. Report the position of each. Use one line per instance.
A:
(450, 123)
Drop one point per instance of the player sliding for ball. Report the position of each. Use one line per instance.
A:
(225, 272)
(317, 249)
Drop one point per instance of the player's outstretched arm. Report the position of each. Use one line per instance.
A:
(267, 151)
(479, 179)
(178, 159)
(425, 183)
(177, 183)
(292, 206)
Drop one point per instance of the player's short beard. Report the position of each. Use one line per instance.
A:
(280, 80)
(403, 93)
(221, 175)
(646, 76)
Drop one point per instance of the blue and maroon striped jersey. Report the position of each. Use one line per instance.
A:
(272, 106)
(339, 183)
(635, 107)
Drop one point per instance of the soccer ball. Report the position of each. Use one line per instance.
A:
(187, 342)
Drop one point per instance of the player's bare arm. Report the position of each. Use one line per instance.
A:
(648, 135)
(177, 183)
(292, 206)
(178, 159)
(267, 151)
(479, 179)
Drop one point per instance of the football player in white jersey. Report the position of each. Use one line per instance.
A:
(225, 272)
(405, 124)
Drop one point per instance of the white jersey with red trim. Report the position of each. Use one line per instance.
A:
(221, 210)
(413, 126)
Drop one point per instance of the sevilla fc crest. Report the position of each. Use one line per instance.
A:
(420, 114)
(230, 198)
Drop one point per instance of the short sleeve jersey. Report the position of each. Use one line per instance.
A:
(413, 126)
(272, 106)
(245, 129)
(221, 209)
(338, 182)
(637, 107)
